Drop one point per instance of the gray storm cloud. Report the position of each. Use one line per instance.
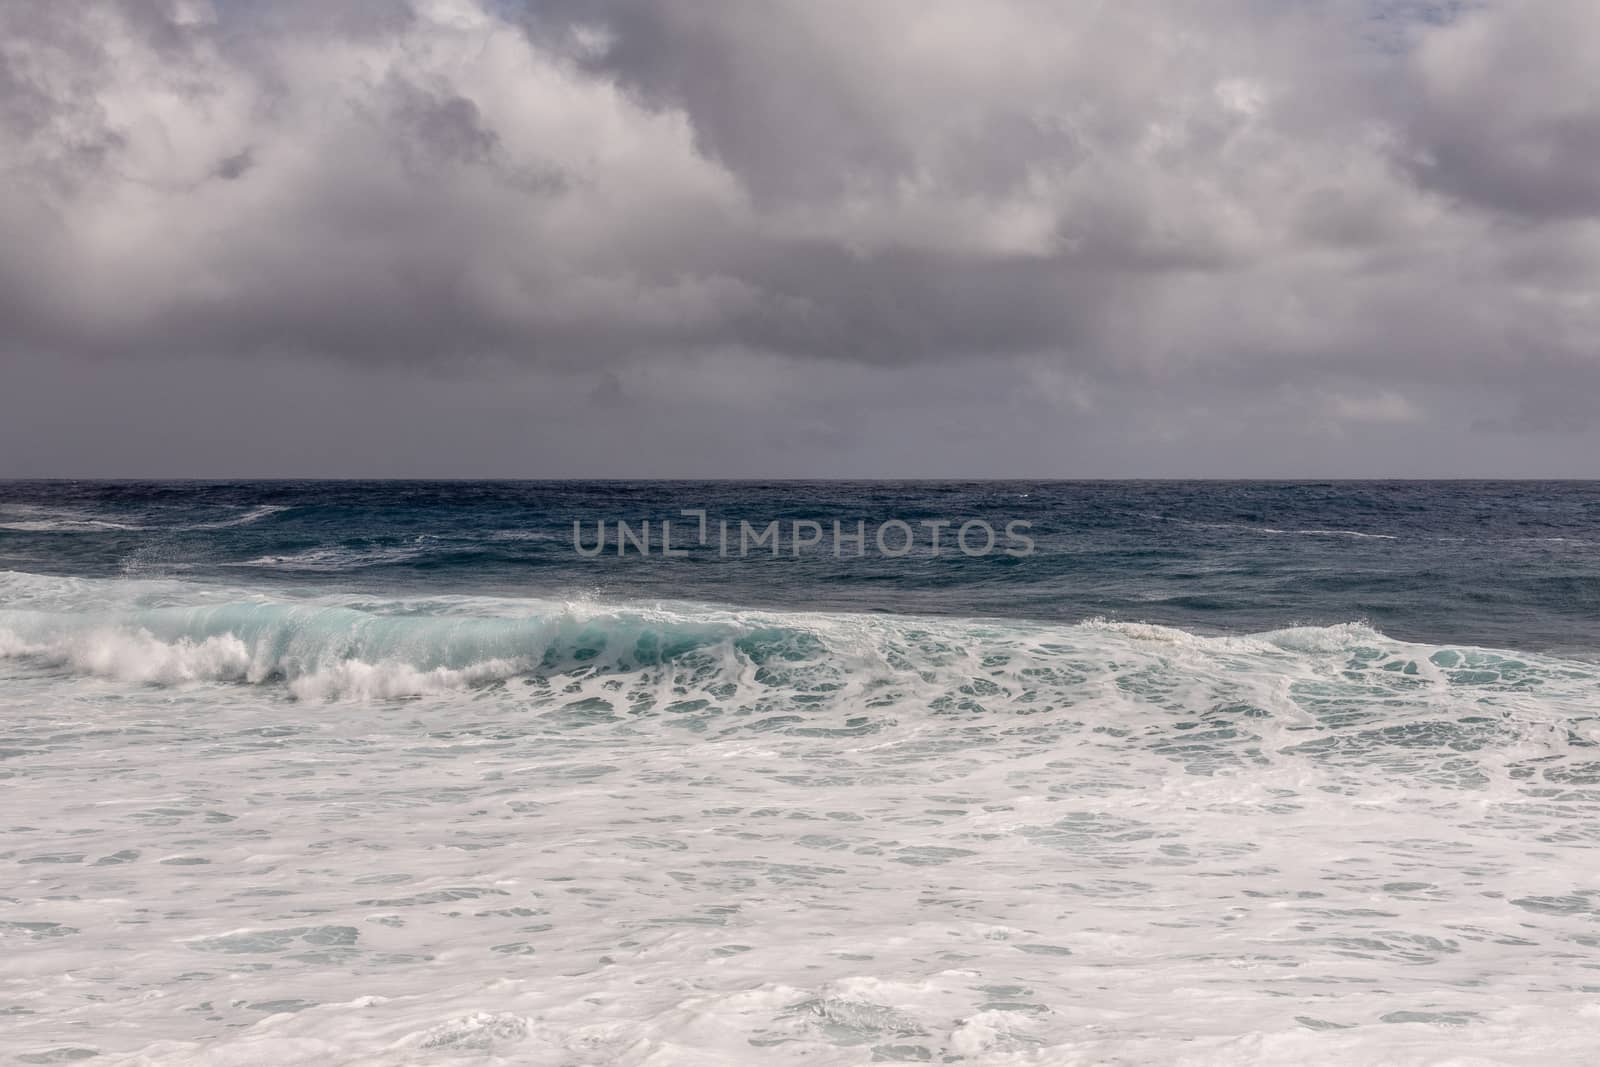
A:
(1242, 237)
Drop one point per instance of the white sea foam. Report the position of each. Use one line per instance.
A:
(357, 680)
(248, 518)
(139, 657)
(332, 559)
(21, 518)
(676, 835)
(1259, 528)
(29, 519)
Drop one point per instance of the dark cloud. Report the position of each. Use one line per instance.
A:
(234, 167)
(441, 124)
(923, 234)
(766, 88)
(1505, 111)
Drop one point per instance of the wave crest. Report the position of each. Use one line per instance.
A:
(323, 651)
(731, 661)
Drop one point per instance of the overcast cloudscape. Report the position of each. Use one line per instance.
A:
(820, 237)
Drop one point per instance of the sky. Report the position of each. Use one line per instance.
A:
(800, 238)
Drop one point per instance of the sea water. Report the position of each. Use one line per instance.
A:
(301, 773)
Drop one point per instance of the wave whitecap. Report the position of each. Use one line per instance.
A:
(377, 649)
(328, 650)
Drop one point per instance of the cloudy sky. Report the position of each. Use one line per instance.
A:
(540, 238)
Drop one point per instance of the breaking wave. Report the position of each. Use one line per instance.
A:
(722, 661)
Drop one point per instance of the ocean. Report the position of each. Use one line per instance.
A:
(1118, 773)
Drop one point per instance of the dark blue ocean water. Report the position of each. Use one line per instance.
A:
(1503, 564)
